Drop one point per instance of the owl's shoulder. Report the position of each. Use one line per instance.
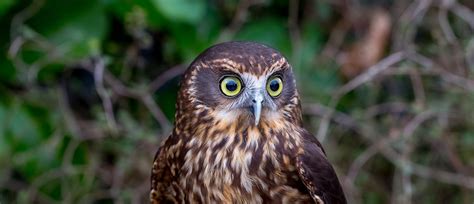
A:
(317, 173)
(164, 186)
(310, 143)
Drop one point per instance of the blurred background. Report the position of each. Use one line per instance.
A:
(88, 87)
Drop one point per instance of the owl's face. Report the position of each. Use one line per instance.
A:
(241, 81)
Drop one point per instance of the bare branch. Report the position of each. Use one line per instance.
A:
(428, 172)
(445, 26)
(408, 23)
(354, 83)
(371, 72)
(336, 38)
(409, 129)
(165, 77)
(25, 14)
(464, 13)
(418, 89)
(294, 30)
(448, 77)
(393, 107)
(118, 87)
(99, 67)
(365, 156)
(156, 111)
(343, 119)
(238, 20)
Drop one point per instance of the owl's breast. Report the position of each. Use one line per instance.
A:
(253, 165)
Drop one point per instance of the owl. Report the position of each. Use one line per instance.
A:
(238, 135)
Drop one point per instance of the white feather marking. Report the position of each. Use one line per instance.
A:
(225, 115)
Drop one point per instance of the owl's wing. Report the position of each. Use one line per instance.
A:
(163, 176)
(317, 173)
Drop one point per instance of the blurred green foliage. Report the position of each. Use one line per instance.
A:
(58, 145)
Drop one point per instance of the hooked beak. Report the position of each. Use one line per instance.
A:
(257, 106)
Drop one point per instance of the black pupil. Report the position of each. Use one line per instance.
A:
(231, 85)
(274, 85)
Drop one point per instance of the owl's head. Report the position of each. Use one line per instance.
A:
(242, 81)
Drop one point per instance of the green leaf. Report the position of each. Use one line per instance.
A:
(4, 147)
(7, 70)
(303, 59)
(319, 83)
(5, 5)
(187, 40)
(28, 135)
(20, 129)
(39, 160)
(123, 9)
(51, 74)
(190, 11)
(75, 27)
(270, 31)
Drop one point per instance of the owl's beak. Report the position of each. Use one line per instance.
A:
(257, 106)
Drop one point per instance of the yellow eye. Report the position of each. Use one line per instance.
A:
(231, 86)
(274, 86)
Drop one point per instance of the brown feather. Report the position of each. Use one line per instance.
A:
(216, 158)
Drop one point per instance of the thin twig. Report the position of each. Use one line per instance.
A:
(448, 77)
(144, 96)
(343, 119)
(464, 13)
(67, 114)
(428, 172)
(392, 108)
(408, 23)
(407, 149)
(294, 30)
(405, 164)
(420, 170)
(410, 128)
(99, 67)
(156, 111)
(371, 72)
(354, 83)
(118, 87)
(418, 89)
(336, 38)
(362, 159)
(165, 77)
(445, 26)
(19, 19)
(238, 20)
(469, 56)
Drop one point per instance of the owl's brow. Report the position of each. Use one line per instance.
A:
(277, 65)
(228, 64)
(223, 69)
